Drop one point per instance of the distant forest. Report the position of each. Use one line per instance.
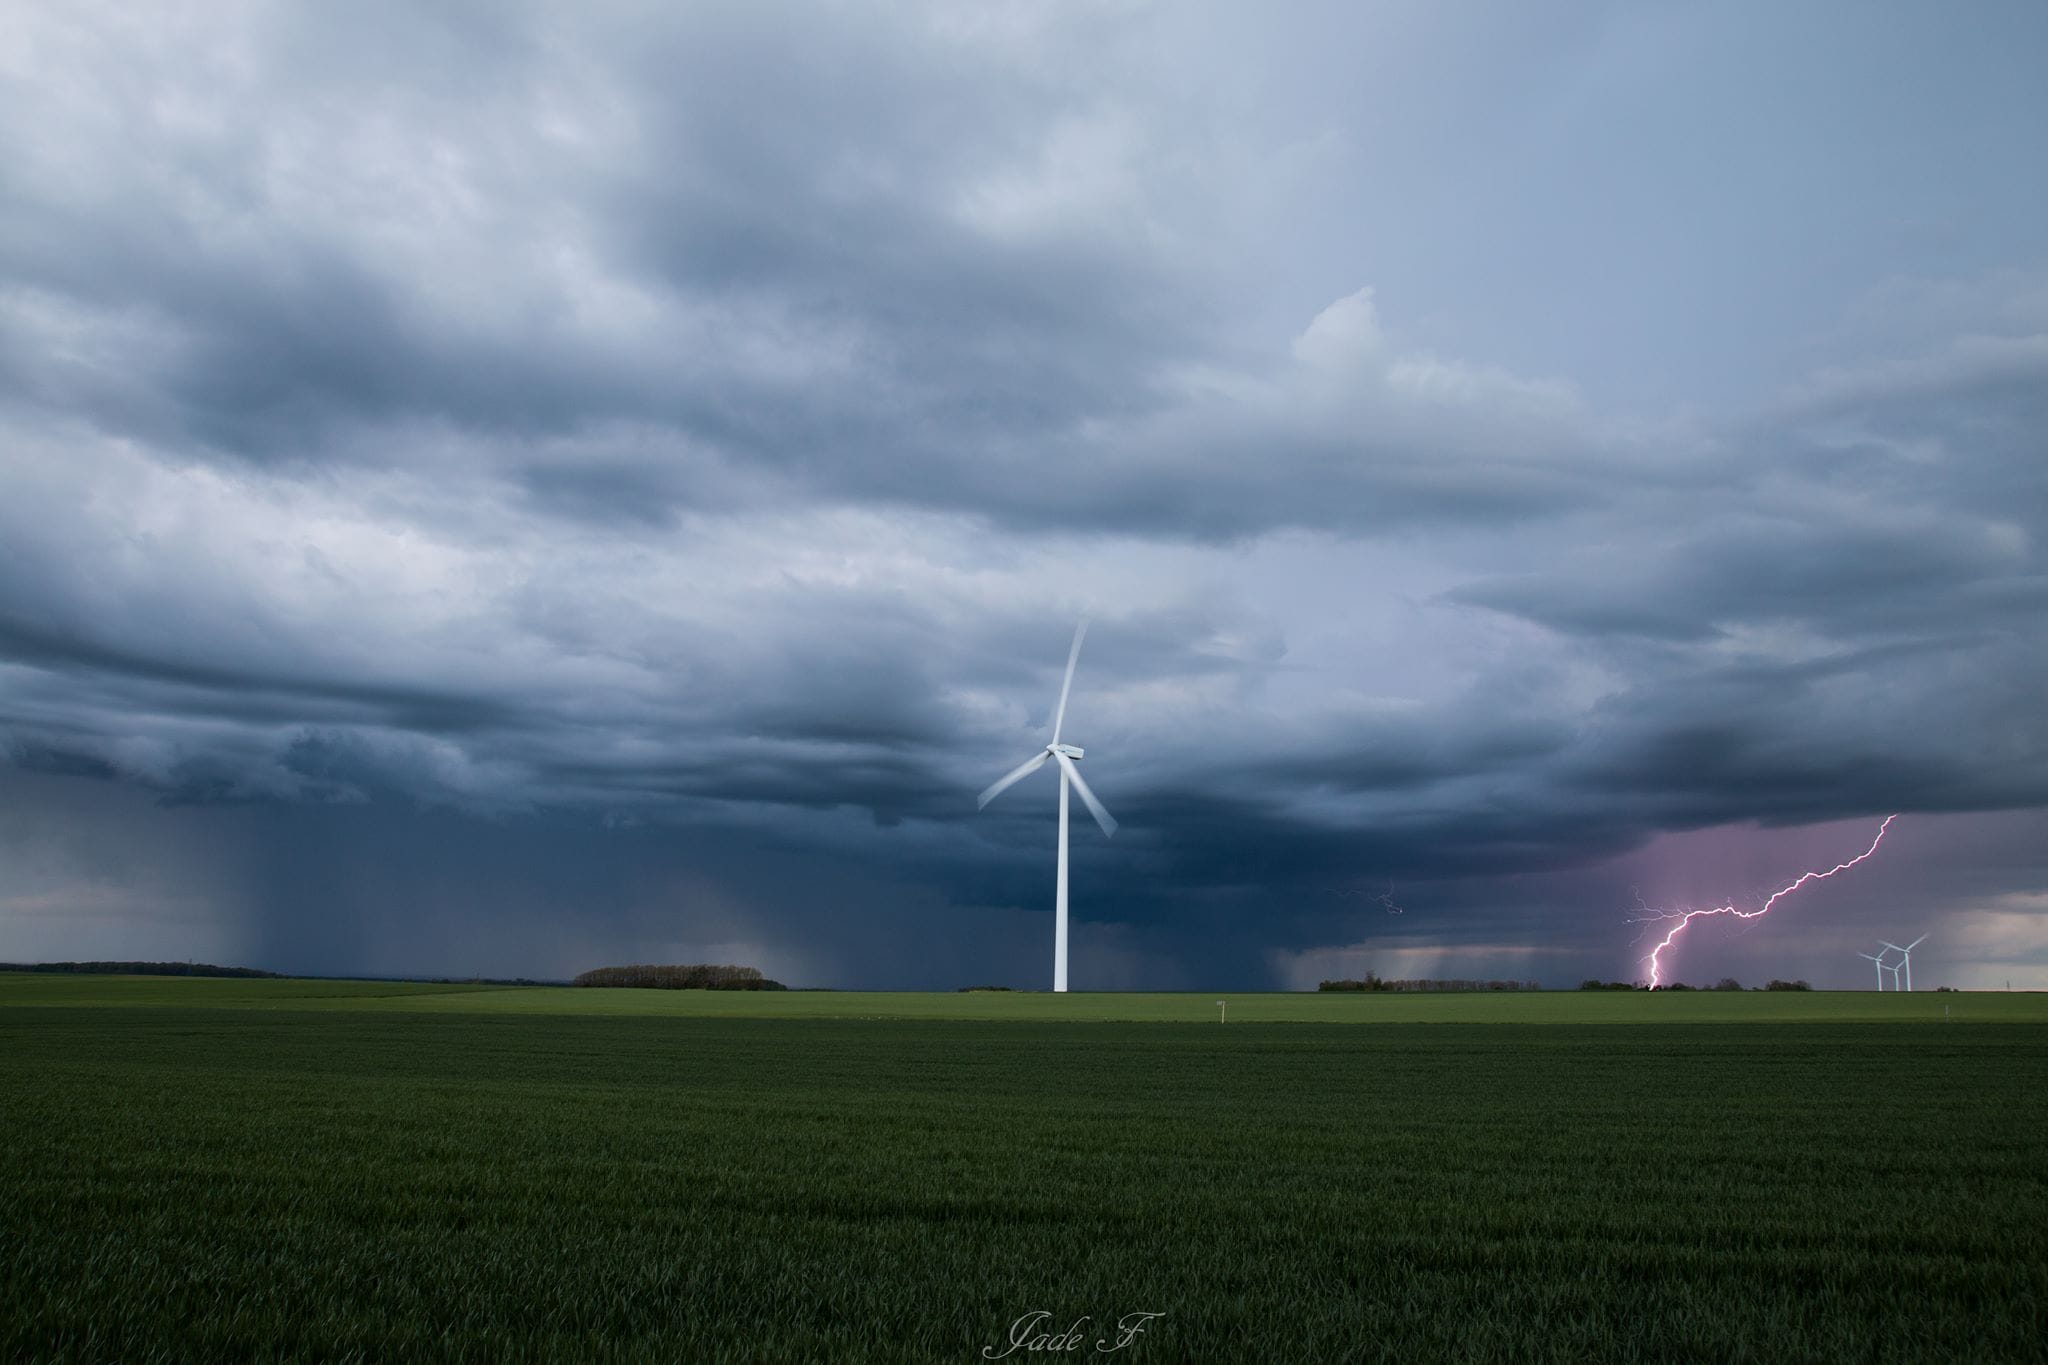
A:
(694, 977)
(1374, 983)
(138, 969)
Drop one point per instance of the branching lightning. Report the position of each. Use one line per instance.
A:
(1686, 917)
(1384, 899)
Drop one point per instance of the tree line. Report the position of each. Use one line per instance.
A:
(136, 969)
(1726, 983)
(1375, 983)
(696, 976)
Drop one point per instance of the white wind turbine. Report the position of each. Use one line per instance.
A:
(1067, 756)
(1906, 959)
(1878, 958)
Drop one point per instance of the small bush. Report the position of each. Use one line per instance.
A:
(1727, 983)
(1776, 985)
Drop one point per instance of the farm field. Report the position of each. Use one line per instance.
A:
(210, 1169)
(1505, 1007)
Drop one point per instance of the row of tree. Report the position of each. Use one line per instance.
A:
(697, 976)
(1726, 983)
(135, 968)
(1375, 983)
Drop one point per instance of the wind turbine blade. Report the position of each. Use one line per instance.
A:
(1010, 778)
(1095, 809)
(1893, 946)
(1914, 944)
(1073, 655)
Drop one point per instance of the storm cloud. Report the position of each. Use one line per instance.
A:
(487, 489)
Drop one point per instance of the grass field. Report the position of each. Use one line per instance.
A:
(211, 1169)
(1335, 1007)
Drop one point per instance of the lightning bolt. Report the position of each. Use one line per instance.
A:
(1686, 917)
(1384, 898)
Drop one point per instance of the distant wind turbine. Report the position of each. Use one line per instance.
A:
(1067, 756)
(1906, 959)
(1878, 958)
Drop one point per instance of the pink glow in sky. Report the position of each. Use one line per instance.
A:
(1681, 919)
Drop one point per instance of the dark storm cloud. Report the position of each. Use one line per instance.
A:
(850, 701)
(481, 433)
(767, 193)
(1911, 497)
(849, 257)
(1755, 569)
(232, 690)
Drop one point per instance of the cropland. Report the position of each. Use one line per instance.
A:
(207, 1169)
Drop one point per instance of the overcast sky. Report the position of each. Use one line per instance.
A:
(496, 488)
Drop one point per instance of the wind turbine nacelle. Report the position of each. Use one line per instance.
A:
(1070, 750)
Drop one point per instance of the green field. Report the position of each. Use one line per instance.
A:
(213, 1169)
(1335, 1007)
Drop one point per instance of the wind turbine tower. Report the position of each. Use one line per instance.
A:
(1906, 959)
(1068, 757)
